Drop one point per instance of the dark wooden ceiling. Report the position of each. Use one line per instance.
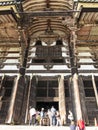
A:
(39, 18)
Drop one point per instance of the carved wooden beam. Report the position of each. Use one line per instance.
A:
(49, 13)
(48, 71)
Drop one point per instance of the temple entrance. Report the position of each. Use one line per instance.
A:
(46, 105)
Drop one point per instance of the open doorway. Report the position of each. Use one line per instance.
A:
(46, 105)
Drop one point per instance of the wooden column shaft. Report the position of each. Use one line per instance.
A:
(11, 107)
(95, 89)
(77, 97)
(27, 108)
(25, 57)
(62, 106)
(72, 52)
(26, 53)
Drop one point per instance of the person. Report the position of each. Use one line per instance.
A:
(38, 118)
(49, 116)
(32, 113)
(72, 125)
(95, 122)
(53, 115)
(58, 119)
(42, 115)
(81, 124)
(70, 116)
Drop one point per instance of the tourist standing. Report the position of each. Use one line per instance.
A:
(42, 115)
(58, 119)
(49, 116)
(53, 115)
(70, 116)
(32, 113)
(81, 124)
(72, 126)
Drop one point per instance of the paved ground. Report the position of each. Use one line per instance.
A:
(26, 127)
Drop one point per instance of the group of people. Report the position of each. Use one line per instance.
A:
(51, 117)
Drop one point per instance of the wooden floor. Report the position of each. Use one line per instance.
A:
(27, 127)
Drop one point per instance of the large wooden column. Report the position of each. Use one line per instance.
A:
(32, 96)
(2, 90)
(62, 106)
(83, 102)
(74, 87)
(77, 102)
(2, 80)
(79, 107)
(27, 106)
(24, 49)
(95, 89)
(9, 118)
(72, 52)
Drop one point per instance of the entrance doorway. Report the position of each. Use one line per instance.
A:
(46, 105)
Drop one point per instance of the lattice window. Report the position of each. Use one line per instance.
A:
(52, 52)
(47, 88)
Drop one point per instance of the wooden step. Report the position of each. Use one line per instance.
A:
(27, 127)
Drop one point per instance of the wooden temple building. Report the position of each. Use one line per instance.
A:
(48, 57)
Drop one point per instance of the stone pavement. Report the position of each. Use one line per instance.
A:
(27, 127)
